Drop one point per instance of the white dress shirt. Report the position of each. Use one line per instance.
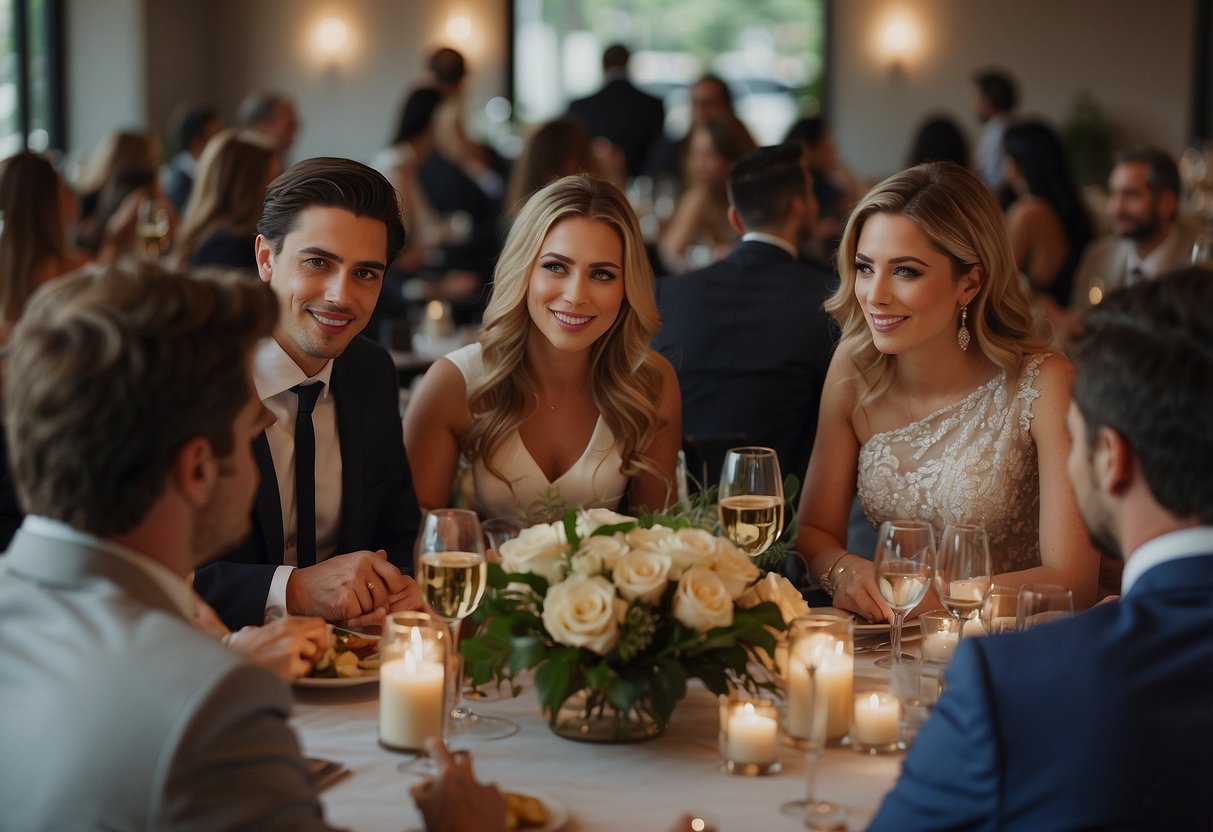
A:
(274, 374)
(1185, 543)
(1157, 261)
(771, 240)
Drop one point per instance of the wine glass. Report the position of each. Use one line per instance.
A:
(152, 226)
(998, 610)
(751, 498)
(905, 552)
(1041, 603)
(962, 570)
(452, 571)
(1202, 250)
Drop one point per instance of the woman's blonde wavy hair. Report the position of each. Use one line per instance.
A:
(625, 381)
(961, 219)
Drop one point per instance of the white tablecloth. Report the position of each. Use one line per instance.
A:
(645, 786)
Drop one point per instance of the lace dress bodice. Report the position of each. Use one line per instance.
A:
(973, 461)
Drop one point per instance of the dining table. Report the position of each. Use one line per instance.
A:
(652, 785)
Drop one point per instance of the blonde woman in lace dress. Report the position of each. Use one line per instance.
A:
(939, 404)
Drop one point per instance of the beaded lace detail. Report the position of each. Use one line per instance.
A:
(972, 461)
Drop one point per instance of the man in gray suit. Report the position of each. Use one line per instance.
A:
(132, 414)
(1149, 238)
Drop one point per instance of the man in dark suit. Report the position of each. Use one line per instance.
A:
(328, 231)
(1103, 721)
(630, 118)
(747, 335)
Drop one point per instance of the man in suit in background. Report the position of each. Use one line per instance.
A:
(1148, 236)
(747, 335)
(1103, 721)
(333, 536)
(195, 127)
(630, 118)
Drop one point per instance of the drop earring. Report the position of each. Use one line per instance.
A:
(962, 335)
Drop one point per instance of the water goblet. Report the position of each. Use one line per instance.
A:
(998, 610)
(905, 554)
(751, 498)
(963, 575)
(1041, 603)
(452, 572)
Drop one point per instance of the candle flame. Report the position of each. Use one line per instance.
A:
(874, 700)
(749, 709)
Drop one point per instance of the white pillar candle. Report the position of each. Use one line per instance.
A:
(973, 589)
(835, 683)
(410, 701)
(752, 737)
(939, 645)
(876, 719)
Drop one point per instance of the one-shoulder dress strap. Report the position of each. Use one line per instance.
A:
(1028, 392)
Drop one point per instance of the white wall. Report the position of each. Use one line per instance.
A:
(105, 70)
(1134, 57)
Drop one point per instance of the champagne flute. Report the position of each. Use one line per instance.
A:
(1041, 603)
(452, 571)
(962, 570)
(751, 498)
(905, 553)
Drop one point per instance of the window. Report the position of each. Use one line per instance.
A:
(771, 52)
(31, 114)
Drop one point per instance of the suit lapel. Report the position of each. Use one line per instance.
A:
(268, 513)
(345, 393)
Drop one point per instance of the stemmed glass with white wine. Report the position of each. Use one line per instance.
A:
(751, 498)
(963, 575)
(905, 558)
(452, 571)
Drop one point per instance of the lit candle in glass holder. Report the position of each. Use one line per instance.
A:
(875, 727)
(821, 661)
(749, 735)
(411, 681)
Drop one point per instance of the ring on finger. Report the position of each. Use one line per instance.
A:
(370, 585)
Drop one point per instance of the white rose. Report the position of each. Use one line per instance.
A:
(586, 562)
(780, 590)
(584, 612)
(702, 601)
(592, 518)
(734, 568)
(648, 539)
(642, 575)
(607, 549)
(539, 550)
(689, 547)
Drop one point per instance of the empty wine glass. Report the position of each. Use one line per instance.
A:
(1041, 603)
(905, 554)
(452, 572)
(962, 570)
(751, 498)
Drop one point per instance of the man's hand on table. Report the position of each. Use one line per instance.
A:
(358, 588)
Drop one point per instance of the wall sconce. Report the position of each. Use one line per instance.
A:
(330, 36)
(458, 27)
(900, 39)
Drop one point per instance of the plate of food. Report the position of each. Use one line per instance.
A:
(863, 627)
(351, 659)
(533, 813)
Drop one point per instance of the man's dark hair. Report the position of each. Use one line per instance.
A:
(417, 113)
(998, 89)
(810, 131)
(192, 125)
(259, 108)
(1144, 368)
(1162, 174)
(763, 184)
(722, 84)
(448, 66)
(110, 373)
(331, 183)
(616, 56)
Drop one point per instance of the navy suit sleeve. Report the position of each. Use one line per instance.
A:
(237, 591)
(951, 777)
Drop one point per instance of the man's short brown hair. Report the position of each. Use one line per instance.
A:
(111, 372)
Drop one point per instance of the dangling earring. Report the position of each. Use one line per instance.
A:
(962, 335)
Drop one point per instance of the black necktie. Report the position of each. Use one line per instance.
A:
(305, 475)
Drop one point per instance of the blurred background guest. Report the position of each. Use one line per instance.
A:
(834, 187)
(1048, 220)
(629, 118)
(556, 148)
(938, 139)
(995, 97)
(699, 232)
(119, 190)
(195, 127)
(220, 223)
(275, 118)
(710, 98)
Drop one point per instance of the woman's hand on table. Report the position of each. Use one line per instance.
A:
(455, 801)
(855, 588)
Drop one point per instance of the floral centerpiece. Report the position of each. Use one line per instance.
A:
(615, 614)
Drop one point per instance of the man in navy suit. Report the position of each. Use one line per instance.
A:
(1103, 721)
(747, 335)
(328, 231)
(630, 118)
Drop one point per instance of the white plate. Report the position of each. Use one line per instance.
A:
(884, 627)
(338, 682)
(558, 816)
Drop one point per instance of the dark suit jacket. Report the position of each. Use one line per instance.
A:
(1104, 721)
(751, 346)
(632, 119)
(378, 505)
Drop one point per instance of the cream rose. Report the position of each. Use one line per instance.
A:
(702, 601)
(649, 539)
(687, 548)
(607, 549)
(539, 550)
(778, 589)
(586, 562)
(734, 568)
(584, 611)
(592, 518)
(642, 575)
